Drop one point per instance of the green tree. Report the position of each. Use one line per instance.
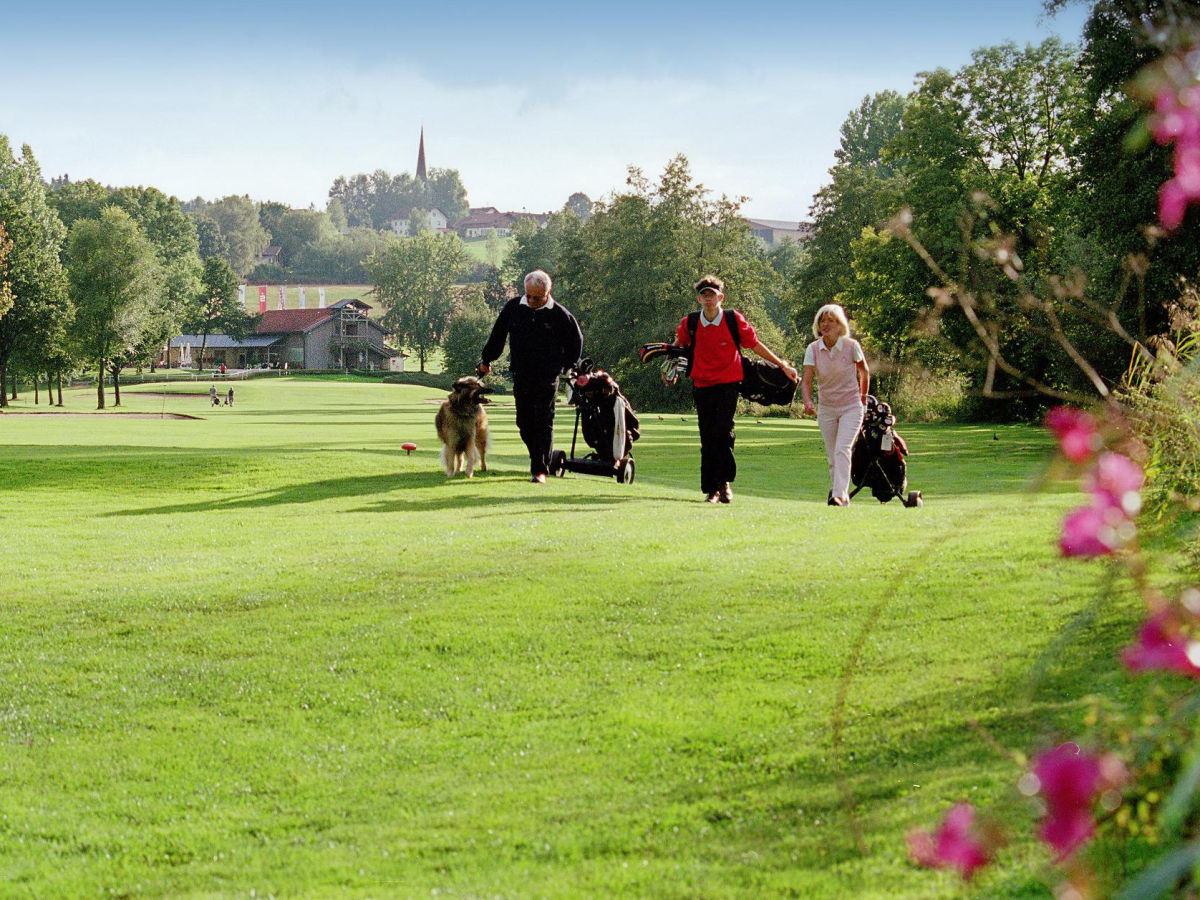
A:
(862, 191)
(467, 332)
(627, 273)
(74, 200)
(215, 308)
(535, 247)
(374, 200)
(414, 280)
(493, 250)
(177, 247)
(6, 246)
(1024, 105)
(211, 241)
(237, 218)
(297, 229)
(444, 190)
(580, 204)
(115, 282)
(36, 278)
(337, 215)
(269, 214)
(1114, 186)
(418, 222)
(340, 258)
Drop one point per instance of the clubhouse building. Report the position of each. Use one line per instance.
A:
(341, 336)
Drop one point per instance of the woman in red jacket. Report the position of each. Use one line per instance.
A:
(716, 373)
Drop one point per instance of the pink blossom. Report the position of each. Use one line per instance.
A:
(1177, 120)
(1177, 117)
(955, 845)
(1172, 204)
(1092, 531)
(1162, 645)
(1069, 780)
(1076, 431)
(1116, 481)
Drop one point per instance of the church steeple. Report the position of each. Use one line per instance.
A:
(421, 157)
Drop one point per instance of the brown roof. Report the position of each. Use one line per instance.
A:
(485, 220)
(284, 321)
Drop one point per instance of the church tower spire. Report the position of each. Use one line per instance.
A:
(421, 156)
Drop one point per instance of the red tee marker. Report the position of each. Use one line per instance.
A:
(408, 448)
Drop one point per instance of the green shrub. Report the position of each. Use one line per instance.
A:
(1164, 398)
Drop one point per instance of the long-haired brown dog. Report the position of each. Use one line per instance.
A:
(462, 426)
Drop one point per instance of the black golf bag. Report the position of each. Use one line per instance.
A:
(877, 461)
(608, 423)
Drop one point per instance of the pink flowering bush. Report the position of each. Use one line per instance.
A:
(1135, 783)
(1071, 782)
(1114, 482)
(1176, 120)
(1119, 811)
(957, 844)
(1166, 643)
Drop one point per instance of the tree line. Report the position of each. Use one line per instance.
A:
(1020, 172)
(1026, 178)
(98, 277)
(1026, 173)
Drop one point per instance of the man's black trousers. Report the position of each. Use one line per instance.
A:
(535, 419)
(715, 407)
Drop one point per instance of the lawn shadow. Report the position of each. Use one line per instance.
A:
(450, 494)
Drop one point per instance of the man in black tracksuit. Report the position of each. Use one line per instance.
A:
(544, 340)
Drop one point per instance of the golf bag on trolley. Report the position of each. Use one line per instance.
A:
(608, 423)
(877, 461)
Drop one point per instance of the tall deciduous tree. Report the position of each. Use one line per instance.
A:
(35, 274)
(374, 200)
(176, 245)
(115, 282)
(467, 331)
(627, 273)
(1116, 182)
(6, 246)
(414, 280)
(173, 234)
(580, 204)
(215, 309)
(861, 193)
(297, 229)
(445, 191)
(237, 217)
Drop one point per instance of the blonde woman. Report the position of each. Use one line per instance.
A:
(841, 369)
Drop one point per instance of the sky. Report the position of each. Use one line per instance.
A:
(529, 101)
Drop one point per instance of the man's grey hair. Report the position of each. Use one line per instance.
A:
(537, 276)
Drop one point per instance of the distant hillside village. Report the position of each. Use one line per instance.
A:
(429, 200)
(279, 251)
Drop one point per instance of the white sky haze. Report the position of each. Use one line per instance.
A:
(529, 103)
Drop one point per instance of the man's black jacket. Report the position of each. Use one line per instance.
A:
(542, 342)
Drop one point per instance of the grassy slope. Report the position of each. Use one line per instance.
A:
(477, 248)
(267, 651)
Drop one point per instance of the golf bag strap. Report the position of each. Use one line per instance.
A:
(693, 323)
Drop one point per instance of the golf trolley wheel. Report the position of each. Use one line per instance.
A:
(914, 501)
(625, 470)
(558, 463)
